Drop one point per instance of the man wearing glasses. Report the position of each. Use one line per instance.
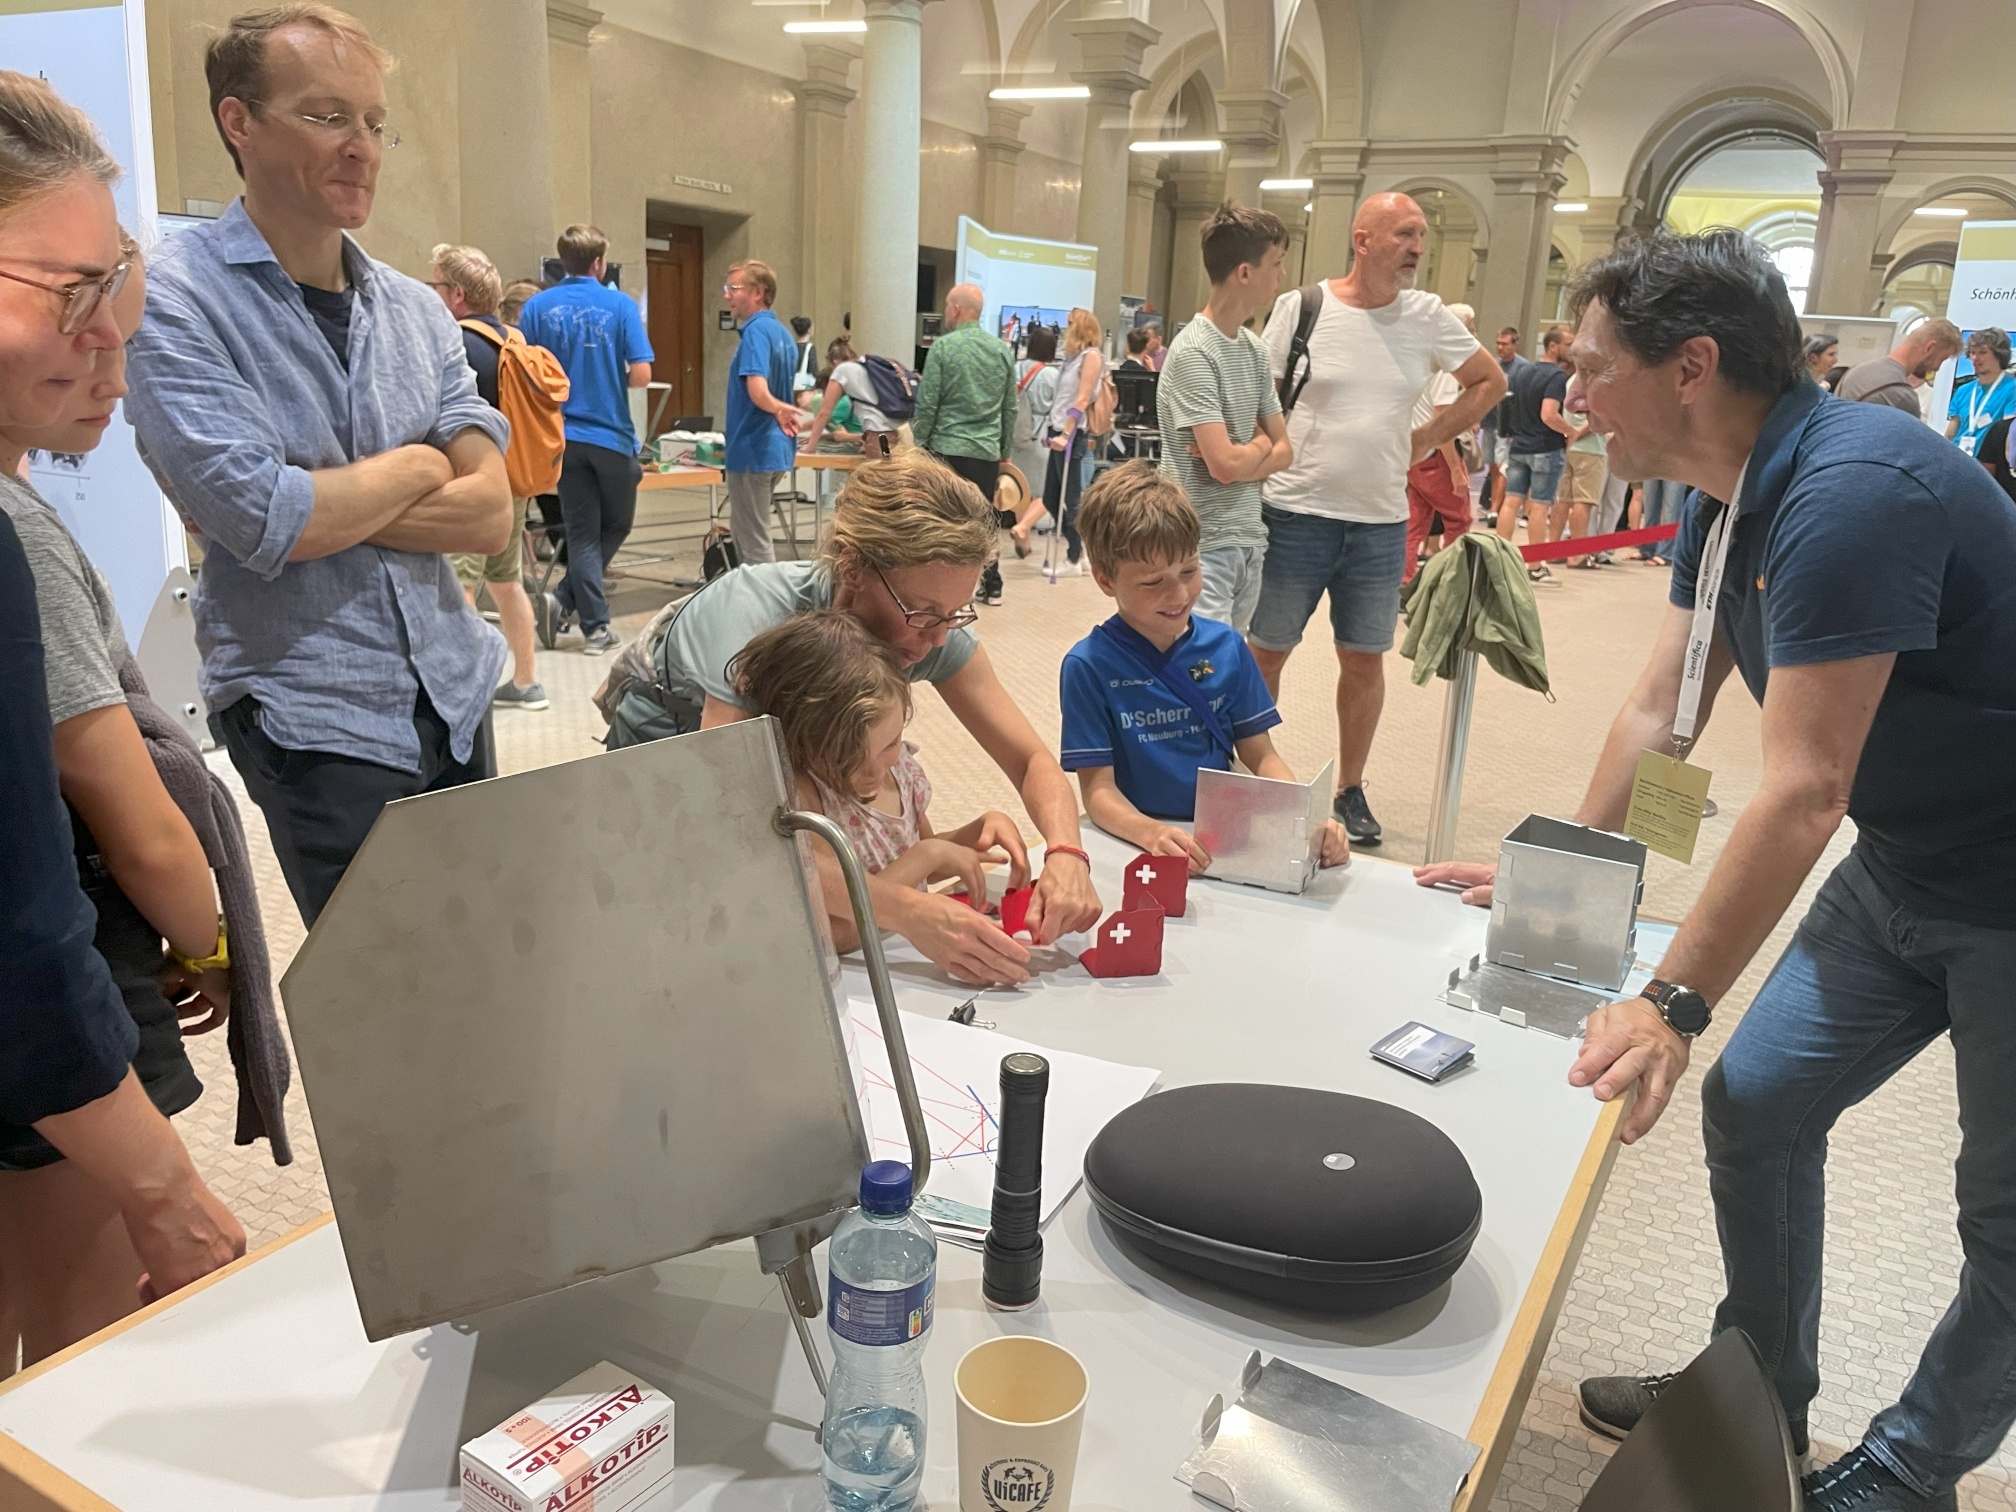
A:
(762, 421)
(310, 412)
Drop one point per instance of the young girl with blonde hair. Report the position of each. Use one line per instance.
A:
(843, 701)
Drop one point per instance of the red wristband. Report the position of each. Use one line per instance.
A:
(1067, 850)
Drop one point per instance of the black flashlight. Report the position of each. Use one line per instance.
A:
(1011, 1273)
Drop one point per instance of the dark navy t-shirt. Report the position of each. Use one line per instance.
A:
(1116, 714)
(1531, 385)
(1861, 531)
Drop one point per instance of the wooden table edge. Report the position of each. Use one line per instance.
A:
(1504, 1406)
(29, 1483)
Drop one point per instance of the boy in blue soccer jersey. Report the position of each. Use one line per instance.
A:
(1155, 694)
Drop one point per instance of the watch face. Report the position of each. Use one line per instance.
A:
(1686, 1010)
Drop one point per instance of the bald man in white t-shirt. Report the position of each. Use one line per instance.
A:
(1337, 516)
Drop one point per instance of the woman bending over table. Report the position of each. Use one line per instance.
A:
(903, 556)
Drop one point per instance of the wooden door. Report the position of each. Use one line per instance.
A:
(675, 278)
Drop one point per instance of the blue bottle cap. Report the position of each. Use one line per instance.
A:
(885, 1187)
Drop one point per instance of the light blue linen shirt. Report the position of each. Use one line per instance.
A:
(236, 399)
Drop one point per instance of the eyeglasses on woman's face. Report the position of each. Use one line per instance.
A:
(80, 299)
(925, 619)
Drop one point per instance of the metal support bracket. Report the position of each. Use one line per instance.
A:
(792, 1249)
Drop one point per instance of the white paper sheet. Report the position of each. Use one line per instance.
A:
(958, 1073)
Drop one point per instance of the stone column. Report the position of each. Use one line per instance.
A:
(1251, 131)
(1111, 49)
(1604, 224)
(885, 240)
(1288, 203)
(504, 135)
(826, 191)
(1859, 170)
(1198, 191)
(1000, 161)
(1144, 188)
(567, 28)
(1339, 170)
(1527, 176)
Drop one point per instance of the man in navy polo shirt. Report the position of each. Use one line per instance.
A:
(1863, 590)
(763, 419)
(1157, 694)
(598, 335)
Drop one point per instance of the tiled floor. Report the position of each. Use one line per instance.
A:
(1650, 1275)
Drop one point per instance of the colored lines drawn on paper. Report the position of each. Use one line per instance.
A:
(963, 1124)
(957, 1069)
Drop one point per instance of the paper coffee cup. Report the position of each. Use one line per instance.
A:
(1021, 1411)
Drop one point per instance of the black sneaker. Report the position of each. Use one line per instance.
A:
(550, 619)
(990, 584)
(1355, 815)
(1859, 1482)
(1612, 1406)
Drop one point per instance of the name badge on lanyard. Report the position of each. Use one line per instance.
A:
(1668, 794)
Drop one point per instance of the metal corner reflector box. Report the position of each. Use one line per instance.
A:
(1566, 902)
(574, 1021)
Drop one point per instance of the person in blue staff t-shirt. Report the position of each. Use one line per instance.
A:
(763, 422)
(1156, 694)
(598, 335)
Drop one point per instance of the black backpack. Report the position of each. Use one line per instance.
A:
(895, 387)
(1292, 383)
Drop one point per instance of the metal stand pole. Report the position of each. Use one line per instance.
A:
(1455, 744)
(788, 1252)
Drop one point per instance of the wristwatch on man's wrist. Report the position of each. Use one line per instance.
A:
(1685, 1011)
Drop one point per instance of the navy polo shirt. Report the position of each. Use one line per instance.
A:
(1860, 531)
(1117, 715)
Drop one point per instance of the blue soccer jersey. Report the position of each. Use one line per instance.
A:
(1120, 711)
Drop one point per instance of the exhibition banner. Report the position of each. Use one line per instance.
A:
(1984, 294)
(94, 54)
(1026, 281)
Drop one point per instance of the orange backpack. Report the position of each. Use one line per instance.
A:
(531, 387)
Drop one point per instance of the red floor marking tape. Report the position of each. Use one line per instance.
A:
(1554, 551)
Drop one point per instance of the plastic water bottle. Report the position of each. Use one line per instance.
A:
(882, 1271)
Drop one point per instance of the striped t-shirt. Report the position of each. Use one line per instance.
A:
(1212, 376)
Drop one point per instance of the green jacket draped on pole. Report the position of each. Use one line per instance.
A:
(1474, 595)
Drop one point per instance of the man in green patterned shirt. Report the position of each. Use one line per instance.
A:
(966, 404)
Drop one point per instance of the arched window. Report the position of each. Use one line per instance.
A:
(1788, 236)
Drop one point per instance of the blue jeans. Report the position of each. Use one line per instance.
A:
(1535, 475)
(1063, 482)
(1662, 497)
(1866, 984)
(1358, 563)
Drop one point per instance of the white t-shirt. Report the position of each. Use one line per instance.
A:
(1353, 426)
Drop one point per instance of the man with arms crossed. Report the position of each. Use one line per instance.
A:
(311, 412)
(1337, 517)
(1220, 417)
(1864, 599)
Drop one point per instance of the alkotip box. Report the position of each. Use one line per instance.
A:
(600, 1443)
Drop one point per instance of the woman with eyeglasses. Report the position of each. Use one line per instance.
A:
(100, 1205)
(903, 555)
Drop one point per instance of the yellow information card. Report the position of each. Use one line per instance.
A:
(1666, 801)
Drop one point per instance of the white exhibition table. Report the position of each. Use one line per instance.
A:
(258, 1390)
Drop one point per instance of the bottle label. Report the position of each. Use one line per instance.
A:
(861, 1316)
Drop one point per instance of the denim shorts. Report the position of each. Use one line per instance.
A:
(1535, 475)
(1358, 564)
